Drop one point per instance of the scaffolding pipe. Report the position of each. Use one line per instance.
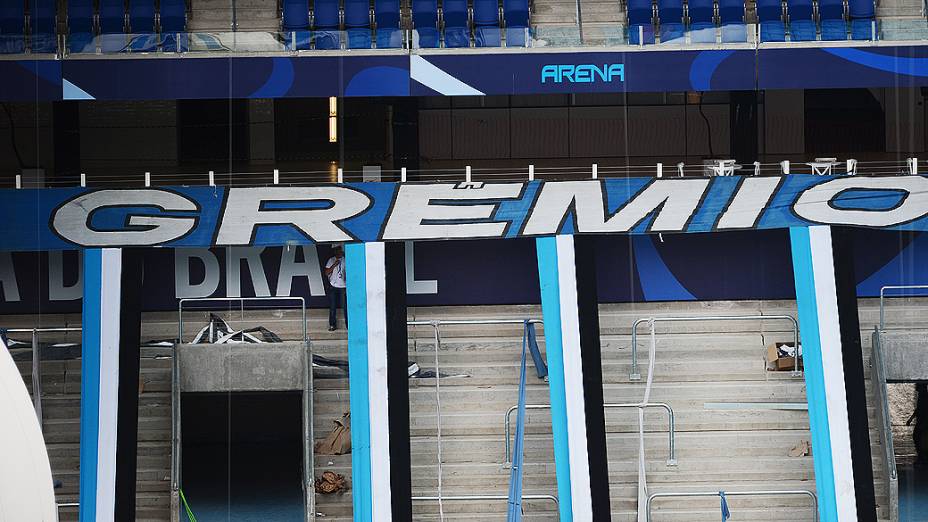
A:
(635, 375)
(671, 460)
(803, 492)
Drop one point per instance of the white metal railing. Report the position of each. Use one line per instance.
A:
(884, 417)
(465, 498)
(436, 325)
(37, 360)
(672, 457)
(65, 505)
(635, 375)
(883, 290)
(308, 429)
(801, 492)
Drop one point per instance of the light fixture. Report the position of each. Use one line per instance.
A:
(333, 119)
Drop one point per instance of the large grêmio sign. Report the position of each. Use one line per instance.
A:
(52, 219)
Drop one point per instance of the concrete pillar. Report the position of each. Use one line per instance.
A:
(567, 277)
(826, 299)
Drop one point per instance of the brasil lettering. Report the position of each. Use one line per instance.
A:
(587, 73)
(353, 212)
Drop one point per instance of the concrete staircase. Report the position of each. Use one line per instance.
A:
(697, 362)
(248, 15)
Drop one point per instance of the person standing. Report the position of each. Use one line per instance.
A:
(335, 272)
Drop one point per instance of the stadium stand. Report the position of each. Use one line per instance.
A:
(294, 24)
(42, 31)
(173, 18)
(670, 15)
(425, 23)
(357, 16)
(12, 27)
(831, 15)
(731, 19)
(862, 19)
(326, 24)
(516, 15)
(456, 24)
(701, 14)
(142, 25)
(640, 22)
(81, 26)
(770, 17)
(486, 23)
(801, 16)
(112, 25)
(388, 24)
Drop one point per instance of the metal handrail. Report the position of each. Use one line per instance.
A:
(894, 287)
(635, 375)
(452, 322)
(175, 377)
(878, 378)
(465, 498)
(809, 494)
(241, 300)
(36, 362)
(672, 457)
(65, 505)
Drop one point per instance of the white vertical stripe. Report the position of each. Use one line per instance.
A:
(110, 310)
(573, 382)
(823, 270)
(377, 381)
(749, 201)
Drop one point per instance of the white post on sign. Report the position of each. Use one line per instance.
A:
(403, 175)
(212, 179)
(784, 165)
(467, 173)
(276, 176)
(83, 179)
(19, 181)
(913, 166)
(341, 175)
(531, 172)
(148, 179)
(595, 171)
(660, 170)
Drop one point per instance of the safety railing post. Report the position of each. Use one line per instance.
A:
(635, 375)
(37, 378)
(766, 493)
(671, 426)
(883, 290)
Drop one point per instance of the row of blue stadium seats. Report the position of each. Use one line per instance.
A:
(800, 19)
(455, 23)
(139, 25)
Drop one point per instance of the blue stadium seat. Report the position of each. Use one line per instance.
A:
(670, 15)
(425, 23)
(801, 17)
(640, 20)
(142, 25)
(173, 16)
(326, 24)
(80, 26)
(701, 19)
(12, 27)
(358, 24)
(387, 24)
(486, 23)
(43, 25)
(112, 25)
(770, 15)
(731, 12)
(861, 13)
(457, 32)
(831, 15)
(516, 19)
(294, 15)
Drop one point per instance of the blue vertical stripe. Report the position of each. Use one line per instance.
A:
(546, 249)
(356, 275)
(807, 306)
(90, 383)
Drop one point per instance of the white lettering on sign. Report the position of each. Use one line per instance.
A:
(674, 201)
(73, 221)
(817, 204)
(246, 209)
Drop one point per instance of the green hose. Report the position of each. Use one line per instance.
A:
(187, 506)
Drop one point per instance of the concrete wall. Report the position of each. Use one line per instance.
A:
(241, 367)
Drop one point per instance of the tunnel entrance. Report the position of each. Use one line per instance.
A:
(242, 456)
